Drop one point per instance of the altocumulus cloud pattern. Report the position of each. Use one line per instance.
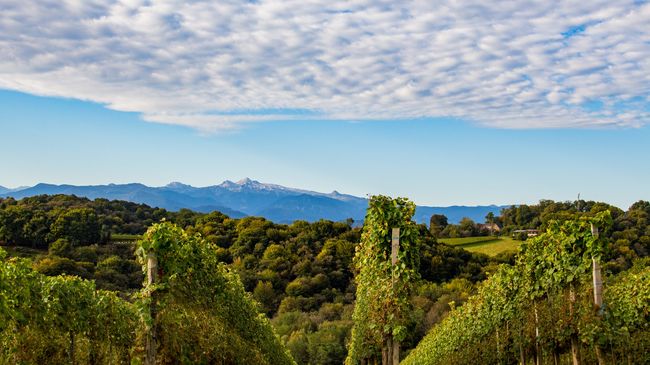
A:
(214, 65)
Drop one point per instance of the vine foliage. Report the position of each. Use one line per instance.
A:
(382, 307)
(60, 319)
(536, 307)
(203, 314)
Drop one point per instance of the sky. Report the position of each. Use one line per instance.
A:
(458, 102)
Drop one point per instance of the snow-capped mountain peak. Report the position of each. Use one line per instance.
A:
(246, 181)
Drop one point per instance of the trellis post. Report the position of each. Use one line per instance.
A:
(152, 278)
(394, 351)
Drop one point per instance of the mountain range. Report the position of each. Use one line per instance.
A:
(4, 190)
(246, 197)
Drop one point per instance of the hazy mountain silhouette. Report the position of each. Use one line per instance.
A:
(246, 198)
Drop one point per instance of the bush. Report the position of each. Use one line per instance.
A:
(520, 236)
(85, 253)
(60, 247)
(55, 265)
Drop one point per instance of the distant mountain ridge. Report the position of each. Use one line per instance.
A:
(4, 190)
(246, 197)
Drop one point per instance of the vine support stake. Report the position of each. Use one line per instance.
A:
(394, 351)
(394, 246)
(597, 277)
(598, 291)
(152, 278)
(575, 350)
(538, 352)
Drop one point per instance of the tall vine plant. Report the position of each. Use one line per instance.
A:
(197, 308)
(383, 287)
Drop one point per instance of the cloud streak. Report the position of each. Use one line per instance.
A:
(215, 65)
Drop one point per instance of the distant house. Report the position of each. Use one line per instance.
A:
(528, 232)
(492, 227)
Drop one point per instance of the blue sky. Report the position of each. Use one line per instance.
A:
(446, 102)
(432, 161)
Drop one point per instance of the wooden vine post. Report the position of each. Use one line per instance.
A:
(597, 277)
(575, 351)
(152, 278)
(598, 291)
(390, 351)
(394, 251)
(538, 353)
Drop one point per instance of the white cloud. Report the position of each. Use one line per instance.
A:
(214, 65)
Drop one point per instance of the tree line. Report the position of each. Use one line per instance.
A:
(40, 220)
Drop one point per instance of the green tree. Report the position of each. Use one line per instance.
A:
(60, 247)
(326, 346)
(437, 223)
(490, 219)
(265, 295)
(12, 220)
(467, 227)
(36, 229)
(80, 226)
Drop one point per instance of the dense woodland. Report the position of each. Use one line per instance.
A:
(302, 275)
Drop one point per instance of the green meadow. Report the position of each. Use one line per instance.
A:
(488, 245)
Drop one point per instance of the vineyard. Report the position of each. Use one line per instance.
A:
(195, 312)
(61, 319)
(549, 309)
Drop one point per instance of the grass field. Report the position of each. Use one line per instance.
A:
(490, 246)
(121, 237)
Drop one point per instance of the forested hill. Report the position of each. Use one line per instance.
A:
(246, 197)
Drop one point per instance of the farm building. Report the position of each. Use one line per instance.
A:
(528, 232)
